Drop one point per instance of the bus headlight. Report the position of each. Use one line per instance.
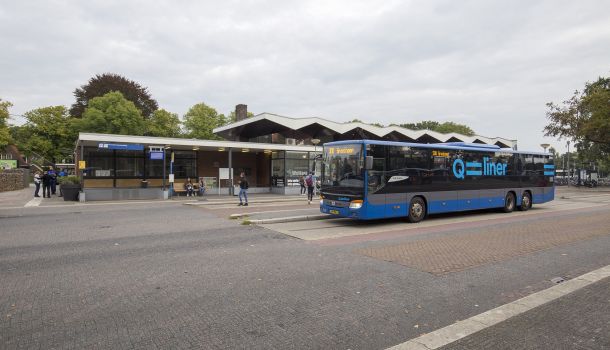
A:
(357, 204)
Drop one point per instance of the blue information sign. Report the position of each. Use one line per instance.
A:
(123, 146)
(156, 155)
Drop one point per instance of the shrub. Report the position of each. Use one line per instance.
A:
(69, 180)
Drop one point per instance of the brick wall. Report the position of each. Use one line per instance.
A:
(13, 179)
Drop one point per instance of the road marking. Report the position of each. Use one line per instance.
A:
(462, 329)
(34, 202)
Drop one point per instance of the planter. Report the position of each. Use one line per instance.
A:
(70, 191)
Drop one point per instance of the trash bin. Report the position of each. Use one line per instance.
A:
(144, 184)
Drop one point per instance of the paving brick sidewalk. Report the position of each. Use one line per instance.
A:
(580, 320)
(490, 244)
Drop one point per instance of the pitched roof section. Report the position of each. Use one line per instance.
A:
(251, 124)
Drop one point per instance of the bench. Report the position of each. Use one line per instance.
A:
(178, 189)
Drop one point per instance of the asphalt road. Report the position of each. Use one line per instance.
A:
(165, 275)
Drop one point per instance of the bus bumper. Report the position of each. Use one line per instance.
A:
(344, 212)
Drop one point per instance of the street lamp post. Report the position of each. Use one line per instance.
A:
(568, 163)
(315, 150)
(544, 146)
(315, 158)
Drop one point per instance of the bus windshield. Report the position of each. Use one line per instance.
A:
(342, 171)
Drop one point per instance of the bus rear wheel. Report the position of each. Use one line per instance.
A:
(509, 203)
(417, 210)
(526, 201)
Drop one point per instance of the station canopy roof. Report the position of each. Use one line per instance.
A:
(268, 123)
(94, 139)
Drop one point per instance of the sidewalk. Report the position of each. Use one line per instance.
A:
(580, 320)
(17, 198)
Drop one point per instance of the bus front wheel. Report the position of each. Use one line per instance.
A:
(526, 201)
(417, 210)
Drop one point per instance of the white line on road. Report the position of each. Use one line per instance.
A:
(462, 329)
(34, 202)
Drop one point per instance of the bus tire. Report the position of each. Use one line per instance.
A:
(526, 201)
(417, 210)
(509, 203)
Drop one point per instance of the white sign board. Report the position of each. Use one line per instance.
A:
(223, 173)
(171, 178)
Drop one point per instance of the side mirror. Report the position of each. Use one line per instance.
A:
(368, 163)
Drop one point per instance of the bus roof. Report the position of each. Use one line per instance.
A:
(446, 145)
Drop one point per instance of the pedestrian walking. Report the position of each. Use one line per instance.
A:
(46, 185)
(243, 189)
(302, 183)
(310, 182)
(37, 181)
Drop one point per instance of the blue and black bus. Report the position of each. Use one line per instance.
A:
(367, 179)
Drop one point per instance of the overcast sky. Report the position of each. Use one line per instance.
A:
(490, 65)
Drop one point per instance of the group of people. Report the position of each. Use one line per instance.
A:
(190, 189)
(48, 180)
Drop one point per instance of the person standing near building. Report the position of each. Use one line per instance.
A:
(46, 185)
(310, 181)
(302, 183)
(243, 189)
(53, 176)
(37, 183)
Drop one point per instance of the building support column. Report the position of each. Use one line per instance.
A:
(231, 187)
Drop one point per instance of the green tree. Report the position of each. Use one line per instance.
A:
(200, 120)
(444, 128)
(163, 123)
(5, 138)
(47, 132)
(585, 119)
(101, 84)
(112, 114)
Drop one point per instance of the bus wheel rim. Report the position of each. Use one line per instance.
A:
(526, 201)
(416, 210)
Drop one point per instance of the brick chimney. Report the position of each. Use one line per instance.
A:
(241, 112)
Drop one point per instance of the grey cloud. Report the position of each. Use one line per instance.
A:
(492, 65)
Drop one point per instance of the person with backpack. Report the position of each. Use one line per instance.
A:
(243, 189)
(310, 182)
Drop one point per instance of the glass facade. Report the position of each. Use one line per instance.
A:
(288, 167)
(120, 164)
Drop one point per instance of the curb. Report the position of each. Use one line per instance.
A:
(292, 219)
(464, 328)
(204, 203)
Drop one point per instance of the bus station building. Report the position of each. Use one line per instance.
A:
(272, 150)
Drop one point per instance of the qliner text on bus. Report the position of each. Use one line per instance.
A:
(367, 179)
(489, 167)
